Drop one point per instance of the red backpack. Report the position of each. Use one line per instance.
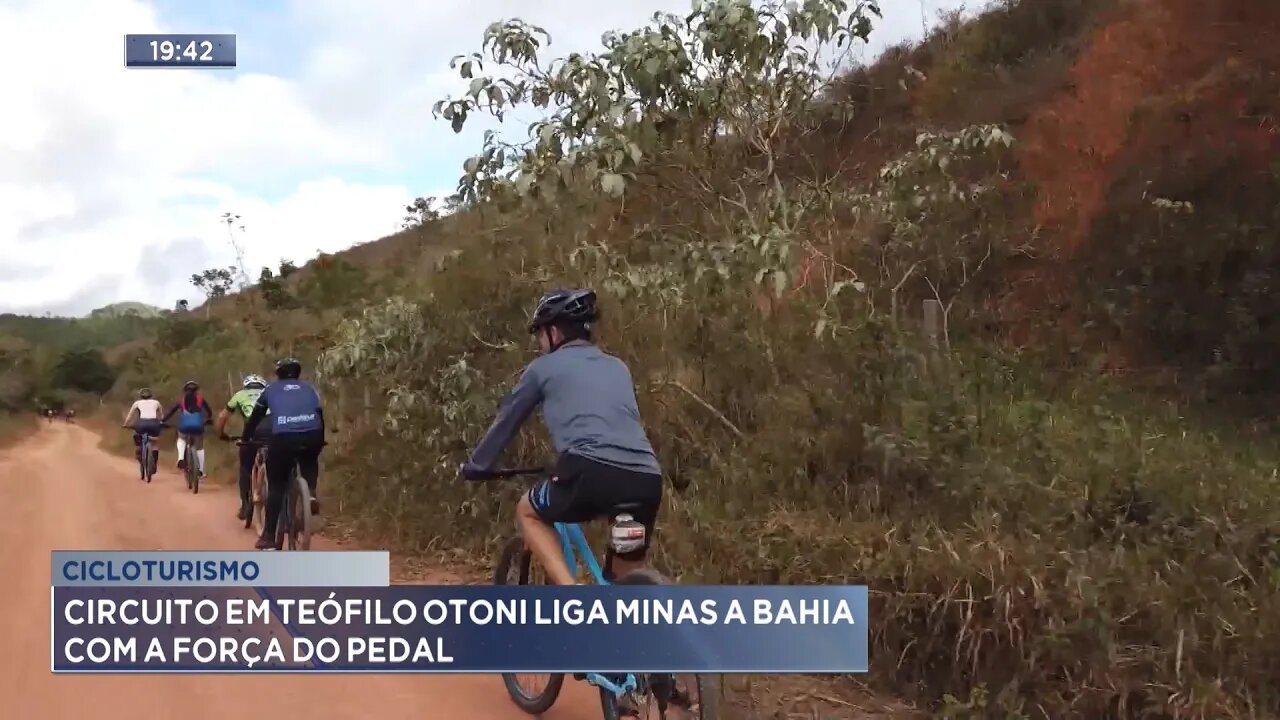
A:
(199, 403)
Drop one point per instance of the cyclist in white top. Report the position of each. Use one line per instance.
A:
(149, 412)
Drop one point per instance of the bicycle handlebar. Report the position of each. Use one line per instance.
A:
(517, 472)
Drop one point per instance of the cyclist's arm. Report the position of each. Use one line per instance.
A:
(220, 425)
(128, 417)
(516, 407)
(172, 410)
(208, 412)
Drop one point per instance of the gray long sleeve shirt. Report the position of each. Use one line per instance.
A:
(588, 404)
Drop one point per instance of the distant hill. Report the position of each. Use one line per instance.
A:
(122, 309)
(103, 328)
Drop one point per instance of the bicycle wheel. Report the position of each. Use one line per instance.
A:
(193, 473)
(144, 454)
(258, 494)
(513, 568)
(294, 527)
(696, 697)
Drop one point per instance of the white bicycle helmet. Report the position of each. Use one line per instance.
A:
(251, 380)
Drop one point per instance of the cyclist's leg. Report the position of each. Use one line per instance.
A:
(280, 461)
(154, 444)
(554, 499)
(248, 453)
(309, 464)
(540, 535)
(197, 441)
(182, 449)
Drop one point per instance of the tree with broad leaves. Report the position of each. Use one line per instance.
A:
(420, 212)
(214, 283)
(730, 68)
(86, 370)
(273, 290)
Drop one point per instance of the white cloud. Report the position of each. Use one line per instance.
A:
(112, 180)
(99, 164)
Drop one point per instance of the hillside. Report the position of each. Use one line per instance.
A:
(980, 326)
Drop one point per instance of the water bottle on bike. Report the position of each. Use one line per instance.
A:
(626, 535)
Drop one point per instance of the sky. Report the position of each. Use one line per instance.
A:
(114, 180)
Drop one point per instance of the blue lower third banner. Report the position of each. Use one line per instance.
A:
(459, 629)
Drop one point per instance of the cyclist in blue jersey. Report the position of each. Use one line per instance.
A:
(297, 437)
(196, 414)
(588, 403)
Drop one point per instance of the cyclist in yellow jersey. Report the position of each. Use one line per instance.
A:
(242, 403)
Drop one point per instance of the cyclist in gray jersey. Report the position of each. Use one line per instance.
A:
(589, 407)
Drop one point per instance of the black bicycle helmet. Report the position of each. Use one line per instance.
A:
(288, 369)
(564, 306)
(191, 385)
(145, 393)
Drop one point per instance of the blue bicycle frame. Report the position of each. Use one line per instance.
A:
(573, 543)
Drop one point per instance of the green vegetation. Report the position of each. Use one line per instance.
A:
(104, 327)
(58, 362)
(877, 322)
(84, 370)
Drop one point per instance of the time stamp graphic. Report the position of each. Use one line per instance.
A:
(179, 51)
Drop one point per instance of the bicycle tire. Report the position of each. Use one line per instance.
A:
(295, 516)
(515, 556)
(258, 494)
(250, 516)
(708, 686)
(186, 463)
(144, 459)
(193, 473)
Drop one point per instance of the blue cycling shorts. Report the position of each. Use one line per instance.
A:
(147, 427)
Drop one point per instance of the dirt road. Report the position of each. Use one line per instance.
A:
(58, 490)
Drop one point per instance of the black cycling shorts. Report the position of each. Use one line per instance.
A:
(261, 435)
(582, 490)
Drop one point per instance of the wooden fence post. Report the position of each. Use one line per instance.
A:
(933, 322)
(935, 333)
